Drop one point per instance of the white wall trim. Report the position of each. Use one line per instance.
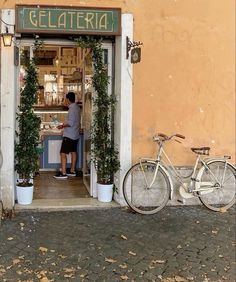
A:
(124, 92)
(8, 90)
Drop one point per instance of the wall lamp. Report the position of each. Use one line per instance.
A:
(135, 52)
(7, 38)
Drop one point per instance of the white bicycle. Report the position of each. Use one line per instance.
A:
(148, 185)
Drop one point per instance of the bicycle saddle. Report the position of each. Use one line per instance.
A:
(201, 150)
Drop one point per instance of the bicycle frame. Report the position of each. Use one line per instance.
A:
(170, 170)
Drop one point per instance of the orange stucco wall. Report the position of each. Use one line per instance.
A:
(185, 82)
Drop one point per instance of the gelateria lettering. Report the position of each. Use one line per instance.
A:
(69, 20)
(46, 19)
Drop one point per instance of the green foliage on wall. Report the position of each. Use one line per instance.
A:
(104, 154)
(27, 143)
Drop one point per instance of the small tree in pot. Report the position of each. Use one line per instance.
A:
(104, 154)
(27, 135)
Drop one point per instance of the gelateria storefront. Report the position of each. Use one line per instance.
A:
(62, 67)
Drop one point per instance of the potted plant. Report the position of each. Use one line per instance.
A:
(104, 153)
(27, 135)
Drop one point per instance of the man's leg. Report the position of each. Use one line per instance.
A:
(62, 173)
(73, 161)
(63, 163)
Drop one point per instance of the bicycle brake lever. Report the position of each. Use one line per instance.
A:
(180, 136)
(177, 141)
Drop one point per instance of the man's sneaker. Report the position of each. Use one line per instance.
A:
(71, 173)
(60, 175)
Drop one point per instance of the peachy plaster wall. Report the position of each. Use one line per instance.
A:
(185, 82)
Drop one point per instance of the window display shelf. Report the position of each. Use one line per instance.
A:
(50, 108)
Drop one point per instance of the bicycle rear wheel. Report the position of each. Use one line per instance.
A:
(140, 197)
(222, 196)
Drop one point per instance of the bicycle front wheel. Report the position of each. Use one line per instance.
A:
(138, 192)
(221, 196)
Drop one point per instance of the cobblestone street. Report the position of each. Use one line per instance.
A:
(176, 244)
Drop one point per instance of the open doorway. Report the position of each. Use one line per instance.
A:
(64, 67)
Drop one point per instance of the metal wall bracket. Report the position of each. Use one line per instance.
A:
(131, 44)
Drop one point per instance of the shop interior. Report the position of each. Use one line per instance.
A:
(61, 69)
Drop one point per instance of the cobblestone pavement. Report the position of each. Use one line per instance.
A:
(176, 244)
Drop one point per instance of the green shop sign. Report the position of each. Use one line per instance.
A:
(76, 20)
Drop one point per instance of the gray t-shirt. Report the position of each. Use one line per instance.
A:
(73, 119)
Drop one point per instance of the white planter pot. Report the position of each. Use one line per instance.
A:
(105, 192)
(24, 195)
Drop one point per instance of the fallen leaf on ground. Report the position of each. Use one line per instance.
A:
(123, 266)
(223, 210)
(70, 275)
(42, 273)
(180, 279)
(28, 271)
(62, 256)
(10, 238)
(132, 253)
(110, 260)
(123, 237)
(44, 279)
(15, 261)
(159, 261)
(43, 249)
(2, 270)
(22, 224)
(214, 231)
(72, 269)
(124, 277)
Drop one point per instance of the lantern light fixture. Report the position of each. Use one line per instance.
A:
(7, 38)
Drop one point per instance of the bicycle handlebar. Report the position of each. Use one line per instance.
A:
(180, 136)
(164, 137)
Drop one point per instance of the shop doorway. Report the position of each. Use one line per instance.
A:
(64, 67)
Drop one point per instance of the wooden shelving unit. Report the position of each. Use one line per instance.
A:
(63, 72)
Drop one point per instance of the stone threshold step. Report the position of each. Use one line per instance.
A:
(66, 204)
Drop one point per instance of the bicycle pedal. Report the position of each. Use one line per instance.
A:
(180, 201)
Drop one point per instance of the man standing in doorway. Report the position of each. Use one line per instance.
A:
(71, 129)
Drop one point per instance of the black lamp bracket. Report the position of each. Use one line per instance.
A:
(131, 44)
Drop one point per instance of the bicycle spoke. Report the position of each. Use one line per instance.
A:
(230, 178)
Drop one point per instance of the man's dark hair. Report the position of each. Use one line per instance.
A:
(71, 96)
